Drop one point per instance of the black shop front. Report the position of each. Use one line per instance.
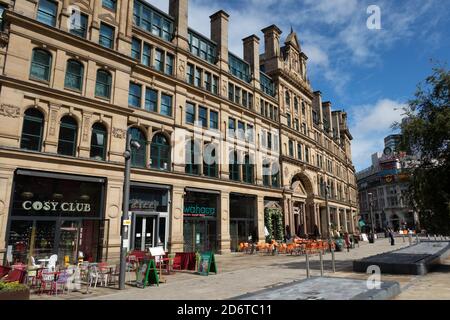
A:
(200, 220)
(55, 213)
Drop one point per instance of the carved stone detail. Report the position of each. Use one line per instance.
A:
(119, 133)
(9, 111)
(86, 128)
(53, 117)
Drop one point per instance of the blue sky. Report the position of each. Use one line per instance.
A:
(368, 73)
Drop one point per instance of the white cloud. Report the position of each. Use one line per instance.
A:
(369, 124)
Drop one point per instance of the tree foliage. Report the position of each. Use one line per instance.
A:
(426, 134)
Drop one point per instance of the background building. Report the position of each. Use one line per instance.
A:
(385, 184)
(76, 76)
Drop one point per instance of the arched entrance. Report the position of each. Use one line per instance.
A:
(303, 214)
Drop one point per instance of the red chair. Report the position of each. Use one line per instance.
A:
(4, 271)
(15, 275)
(176, 262)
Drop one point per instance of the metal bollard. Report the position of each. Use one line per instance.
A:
(321, 263)
(307, 265)
(333, 264)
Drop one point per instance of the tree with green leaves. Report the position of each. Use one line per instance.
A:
(426, 134)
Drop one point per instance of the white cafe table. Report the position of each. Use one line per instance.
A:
(44, 261)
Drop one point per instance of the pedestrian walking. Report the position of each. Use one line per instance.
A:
(391, 235)
(347, 241)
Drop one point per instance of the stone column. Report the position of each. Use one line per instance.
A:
(338, 219)
(345, 221)
(305, 230)
(223, 223)
(85, 130)
(6, 180)
(260, 218)
(176, 239)
(51, 141)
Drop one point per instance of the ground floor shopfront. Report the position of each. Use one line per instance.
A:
(75, 212)
(56, 214)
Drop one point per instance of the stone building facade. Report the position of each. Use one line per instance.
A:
(76, 76)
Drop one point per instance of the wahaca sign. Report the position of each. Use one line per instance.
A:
(199, 211)
(54, 206)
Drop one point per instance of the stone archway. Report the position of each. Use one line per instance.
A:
(304, 215)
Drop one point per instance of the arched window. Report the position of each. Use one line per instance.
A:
(234, 166)
(67, 141)
(288, 100)
(160, 152)
(210, 161)
(275, 175)
(74, 75)
(266, 172)
(248, 170)
(103, 84)
(192, 156)
(98, 142)
(33, 127)
(138, 156)
(41, 63)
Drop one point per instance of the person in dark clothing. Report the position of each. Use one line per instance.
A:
(391, 235)
(316, 232)
(300, 232)
(288, 233)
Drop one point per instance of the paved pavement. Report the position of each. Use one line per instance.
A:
(241, 273)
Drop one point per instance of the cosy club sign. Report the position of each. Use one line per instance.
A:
(54, 206)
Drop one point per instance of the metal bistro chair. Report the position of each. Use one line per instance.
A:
(61, 281)
(47, 282)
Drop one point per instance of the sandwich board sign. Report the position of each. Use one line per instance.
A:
(147, 274)
(207, 264)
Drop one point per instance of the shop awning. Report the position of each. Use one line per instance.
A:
(59, 176)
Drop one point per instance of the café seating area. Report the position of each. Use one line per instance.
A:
(298, 246)
(47, 277)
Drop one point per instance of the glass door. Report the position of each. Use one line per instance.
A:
(68, 242)
(145, 229)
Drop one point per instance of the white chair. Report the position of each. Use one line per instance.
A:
(33, 263)
(52, 262)
(95, 275)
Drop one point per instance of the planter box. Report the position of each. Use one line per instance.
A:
(15, 295)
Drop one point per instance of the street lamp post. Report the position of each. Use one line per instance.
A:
(126, 200)
(328, 213)
(371, 219)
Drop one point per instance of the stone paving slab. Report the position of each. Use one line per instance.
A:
(326, 288)
(239, 274)
(417, 259)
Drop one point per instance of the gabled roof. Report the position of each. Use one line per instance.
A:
(293, 40)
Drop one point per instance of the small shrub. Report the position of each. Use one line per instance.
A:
(12, 286)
